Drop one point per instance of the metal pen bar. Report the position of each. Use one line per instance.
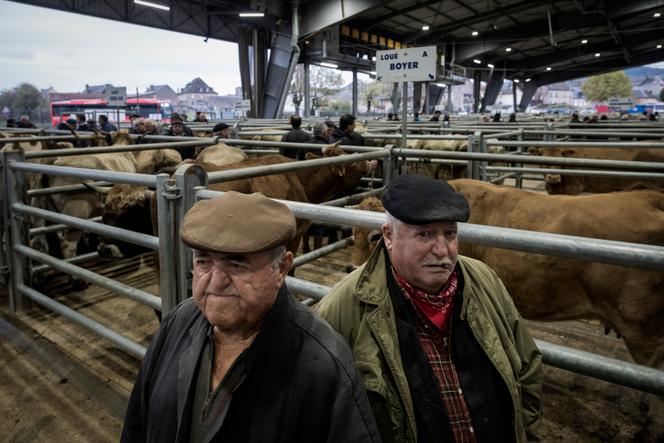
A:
(609, 369)
(258, 171)
(55, 228)
(56, 138)
(580, 172)
(582, 248)
(117, 148)
(109, 284)
(147, 241)
(578, 144)
(131, 178)
(534, 159)
(352, 199)
(118, 340)
(64, 189)
(321, 252)
(74, 260)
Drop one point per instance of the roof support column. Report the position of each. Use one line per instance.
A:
(245, 69)
(492, 90)
(354, 111)
(307, 91)
(434, 94)
(417, 97)
(528, 92)
(477, 77)
(514, 96)
(260, 57)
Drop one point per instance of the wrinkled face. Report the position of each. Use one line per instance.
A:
(425, 255)
(140, 126)
(177, 128)
(235, 292)
(149, 127)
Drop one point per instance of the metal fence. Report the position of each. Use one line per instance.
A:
(176, 194)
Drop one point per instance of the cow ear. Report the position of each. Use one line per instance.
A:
(534, 150)
(568, 153)
(310, 156)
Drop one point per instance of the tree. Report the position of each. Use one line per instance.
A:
(23, 99)
(374, 92)
(323, 82)
(602, 87)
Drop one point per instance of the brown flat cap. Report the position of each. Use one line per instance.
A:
(238, 224)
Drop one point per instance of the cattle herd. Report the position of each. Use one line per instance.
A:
(626, 299)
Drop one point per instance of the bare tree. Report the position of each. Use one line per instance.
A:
(323, 82)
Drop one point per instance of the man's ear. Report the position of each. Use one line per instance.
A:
(386, 230)
(286, 264)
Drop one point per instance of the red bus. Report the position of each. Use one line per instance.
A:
(145, 107)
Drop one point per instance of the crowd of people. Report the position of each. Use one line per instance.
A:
(324, 133)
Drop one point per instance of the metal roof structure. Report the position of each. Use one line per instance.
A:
(536, 42)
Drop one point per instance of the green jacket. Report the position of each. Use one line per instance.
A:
(361, 310)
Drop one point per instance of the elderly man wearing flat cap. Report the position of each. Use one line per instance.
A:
(242, 361)
(442, 351)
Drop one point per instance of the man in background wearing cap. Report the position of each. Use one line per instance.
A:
(242, 361)
(443, 352)
(221, 130)
(295, 135)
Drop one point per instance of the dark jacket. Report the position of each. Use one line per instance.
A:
(301, 383)
(109, 127)
(295, 136)
(498, 363)
(353, 138)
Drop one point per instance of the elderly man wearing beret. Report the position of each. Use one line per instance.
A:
(442, 351)
(242, 361)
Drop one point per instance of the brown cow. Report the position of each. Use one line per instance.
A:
(575, 185)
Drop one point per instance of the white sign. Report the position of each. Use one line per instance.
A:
(406, 65)
(116, 96)
(243, 105)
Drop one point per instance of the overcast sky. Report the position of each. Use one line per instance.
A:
(46, 47)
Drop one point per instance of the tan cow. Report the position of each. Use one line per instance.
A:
(574, 185)
(221, 154)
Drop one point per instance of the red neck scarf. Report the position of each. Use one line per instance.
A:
(437, 308)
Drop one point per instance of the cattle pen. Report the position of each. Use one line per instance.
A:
(176, 194)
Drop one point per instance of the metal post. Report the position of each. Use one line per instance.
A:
(166, 193)
(404, 117)
(449, 99)
(519, 176)
(15, 230)
(355, 92)
(307, 91)
(187, 178)
(4, 239)
(514, 97)
(474, 141)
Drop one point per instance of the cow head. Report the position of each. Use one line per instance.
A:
(557, 183)
(365, 238)
(127, 207)
(334, 180)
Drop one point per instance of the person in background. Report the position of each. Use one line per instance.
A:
(435, 117)
(242, 360)
(177, 130)
(496, 117)
(24, 122)
(416, 117)
(137, 126)
(200, 117)
(221, 130)
(575, 118)
(105, 125)
(295, 135)
(390, 116)
(11, 123)
(512, 118)
(82, 123)
(345, 133)
(442, 350)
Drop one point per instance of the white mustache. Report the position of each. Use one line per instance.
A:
(443, 264)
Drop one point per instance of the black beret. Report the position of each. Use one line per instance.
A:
(418, 200)
(219, 127)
